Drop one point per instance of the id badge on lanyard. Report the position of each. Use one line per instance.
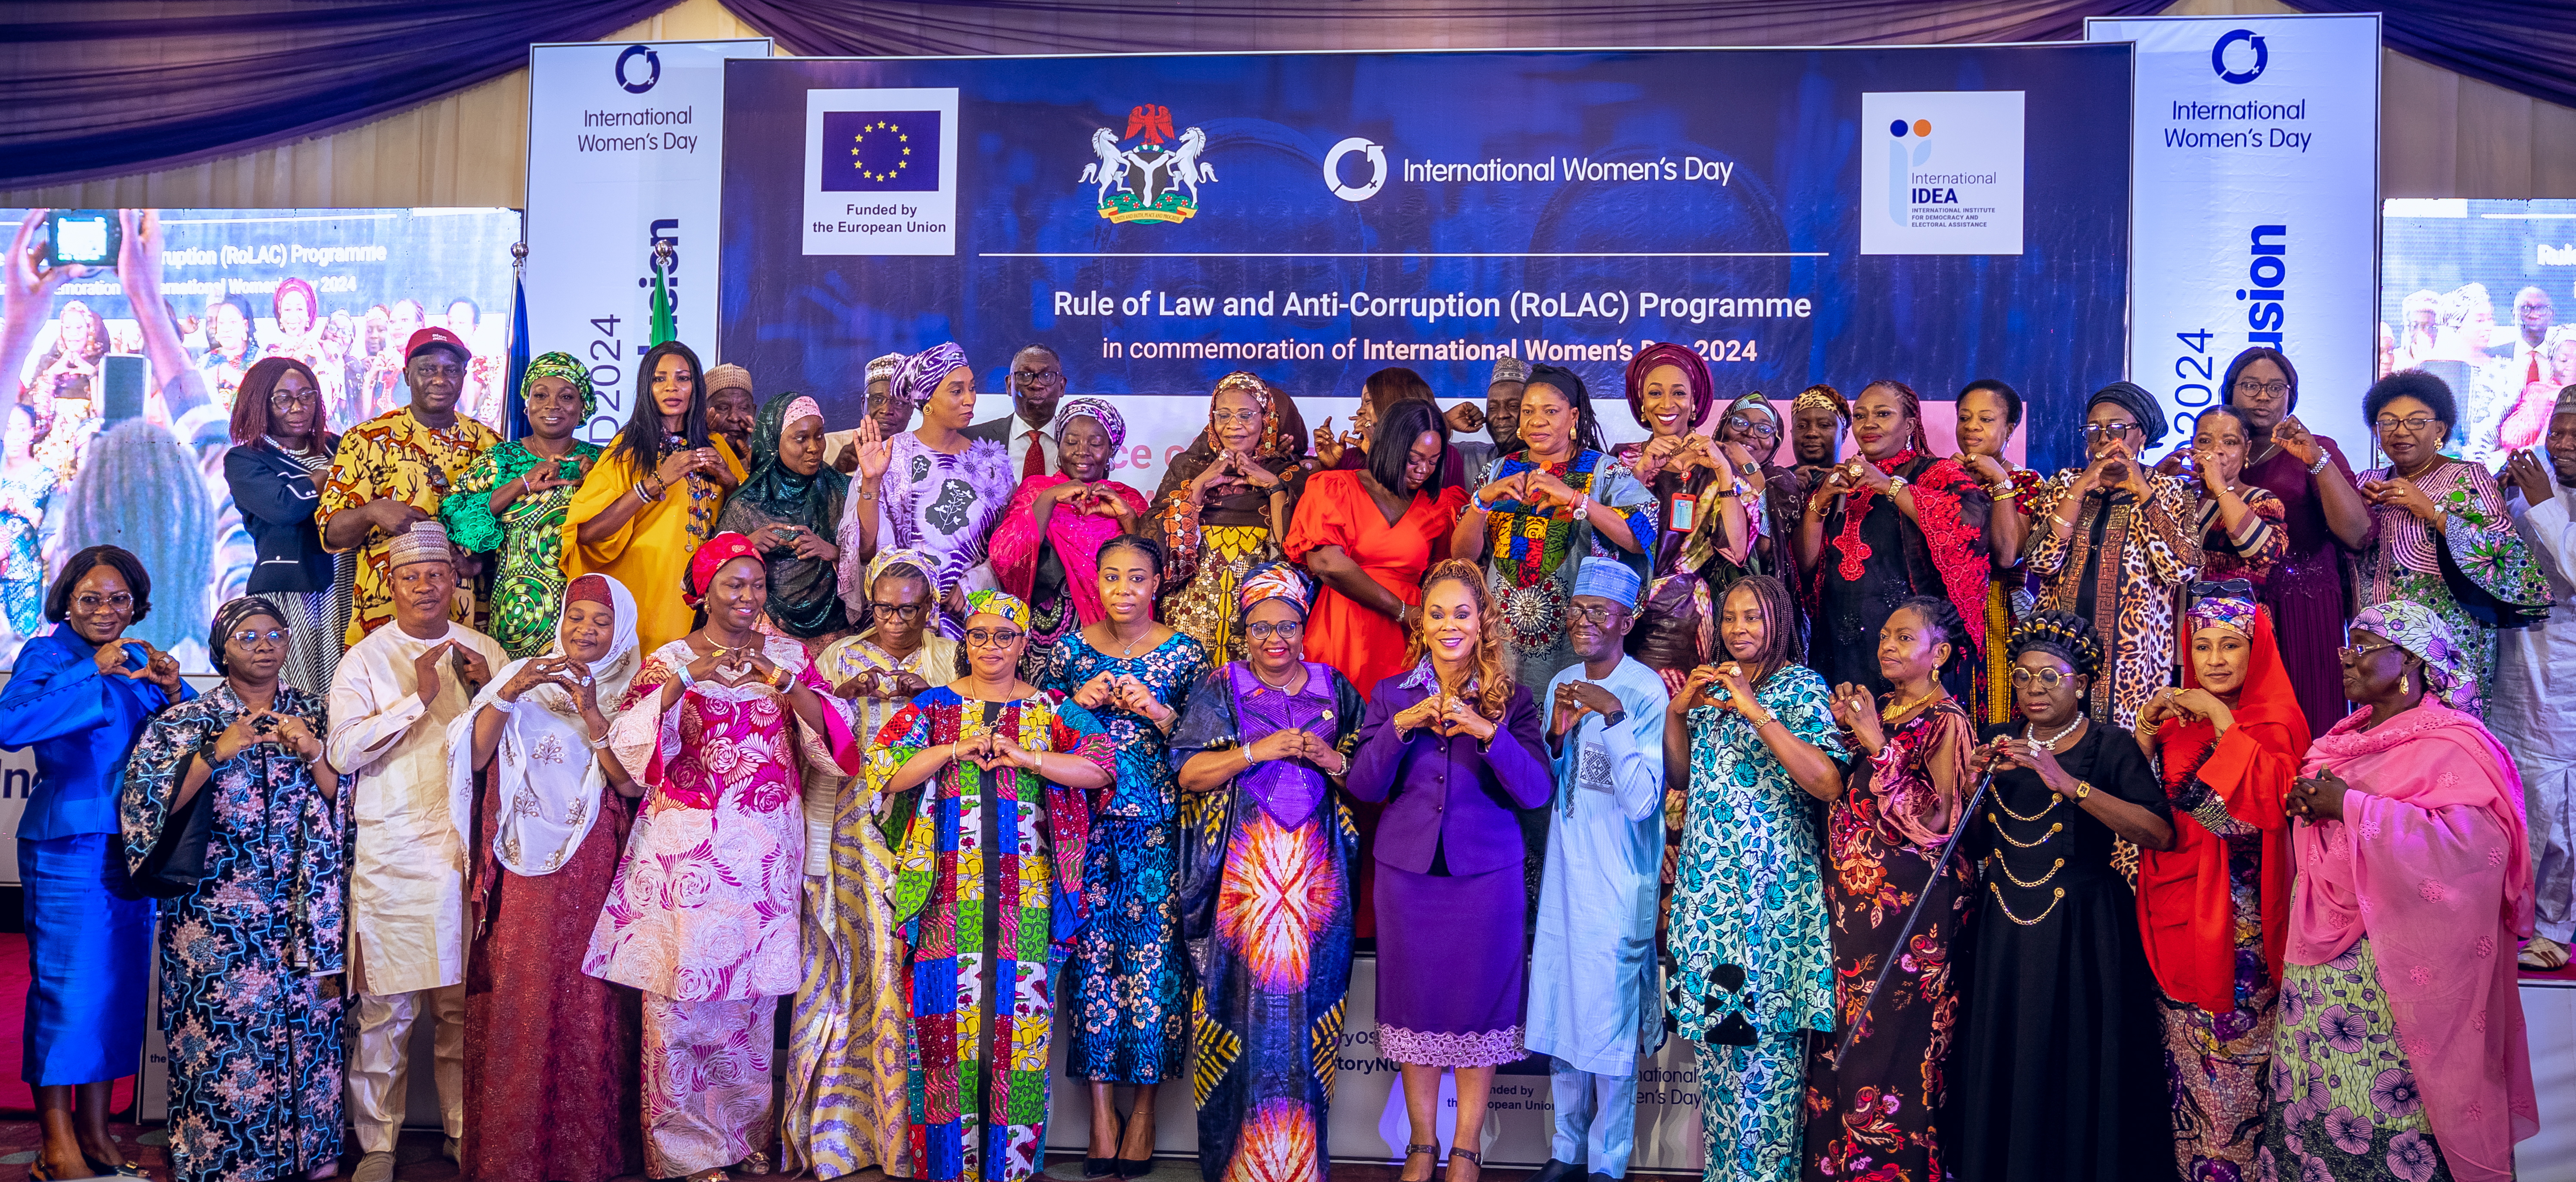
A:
(1684, 506)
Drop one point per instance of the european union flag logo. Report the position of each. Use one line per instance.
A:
(880, 151)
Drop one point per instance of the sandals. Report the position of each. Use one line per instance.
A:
(1430, 1151)
(2542, 954)
(1471, 1155)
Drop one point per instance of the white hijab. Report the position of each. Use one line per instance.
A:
(546, 777)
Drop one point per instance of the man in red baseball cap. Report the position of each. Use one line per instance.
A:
(435, 337)
(396, 468)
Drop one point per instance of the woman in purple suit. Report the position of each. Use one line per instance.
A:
(1452, 747)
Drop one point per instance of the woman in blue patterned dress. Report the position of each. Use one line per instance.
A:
(1752, 972)
(1124, 984)
(251, 956)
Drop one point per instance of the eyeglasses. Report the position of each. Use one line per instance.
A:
(91, 603)
(906, 612)
(1284, 630)
(2415, 425)
(1746, 424)
(1226, 418)
(2355, 653)
(2270, 389)
(2046, 679)
(1596, 616)
(993, 637)
(282, 400)
(250, 638)
(1034, 376)
(2113, 430)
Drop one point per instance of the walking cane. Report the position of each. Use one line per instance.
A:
(1920, 898)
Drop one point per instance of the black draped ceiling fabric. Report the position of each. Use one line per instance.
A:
(107, 87)
(94, 88)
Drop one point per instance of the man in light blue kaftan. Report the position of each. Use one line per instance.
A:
(1593, 1002)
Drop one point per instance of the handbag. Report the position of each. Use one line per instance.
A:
(177, 862)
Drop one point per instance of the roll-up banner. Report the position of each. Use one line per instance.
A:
(2254, 208)
(625, 150)
(1928, 214)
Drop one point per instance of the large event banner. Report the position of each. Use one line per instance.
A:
(2256, 206)
(625, 142)
(1929, 214)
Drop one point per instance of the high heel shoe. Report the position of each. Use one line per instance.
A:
(1471, 1155)
(1105, 1167)
(1430, 1151)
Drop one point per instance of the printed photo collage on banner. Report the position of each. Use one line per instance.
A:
(2483, 293)
(126, 373)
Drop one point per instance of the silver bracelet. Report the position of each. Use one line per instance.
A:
(2324, 457)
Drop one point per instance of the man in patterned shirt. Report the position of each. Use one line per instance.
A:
(395, 468)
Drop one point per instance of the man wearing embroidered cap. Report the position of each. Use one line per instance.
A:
(1593, 1005)
(392, 699)
(731, 406)
(1502, 419)
(396, 468)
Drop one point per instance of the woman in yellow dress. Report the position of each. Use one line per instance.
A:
(647, 503)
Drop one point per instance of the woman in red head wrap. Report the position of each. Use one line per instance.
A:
(2214, 909)
(1703, 536)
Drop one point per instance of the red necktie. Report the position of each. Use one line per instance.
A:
(1035, 465)
(2535, 368)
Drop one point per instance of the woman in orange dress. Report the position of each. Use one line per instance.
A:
(1368, 534)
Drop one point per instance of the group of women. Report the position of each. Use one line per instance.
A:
(2019, 826)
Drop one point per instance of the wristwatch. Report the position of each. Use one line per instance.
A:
(1614, 718)
(1895, 485)
(2324, 457)
(2083, 788)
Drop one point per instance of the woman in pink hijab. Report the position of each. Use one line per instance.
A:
(2399, 1048)
(1047, 549)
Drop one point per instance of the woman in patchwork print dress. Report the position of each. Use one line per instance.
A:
(1009, 771)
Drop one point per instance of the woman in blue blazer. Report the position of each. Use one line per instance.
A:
(80, 695)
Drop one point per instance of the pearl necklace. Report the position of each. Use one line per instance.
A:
(2030, 734)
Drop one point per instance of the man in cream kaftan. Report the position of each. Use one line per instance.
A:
(406, 909)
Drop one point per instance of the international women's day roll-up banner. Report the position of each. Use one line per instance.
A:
(1930, 214)
(625, 141)
(2256, 214)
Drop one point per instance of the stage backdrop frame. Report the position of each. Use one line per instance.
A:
(1035, 253)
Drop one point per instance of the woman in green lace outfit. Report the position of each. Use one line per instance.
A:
(2439, 532)
(512, 501)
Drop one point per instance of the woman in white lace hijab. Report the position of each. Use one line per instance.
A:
(550, 1052)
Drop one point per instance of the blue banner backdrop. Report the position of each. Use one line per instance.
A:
(1316, 217)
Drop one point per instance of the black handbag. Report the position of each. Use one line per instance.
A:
(177, 862)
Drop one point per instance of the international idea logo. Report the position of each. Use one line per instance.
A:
(1941, 172)
(881, 171)
(1150, 174)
